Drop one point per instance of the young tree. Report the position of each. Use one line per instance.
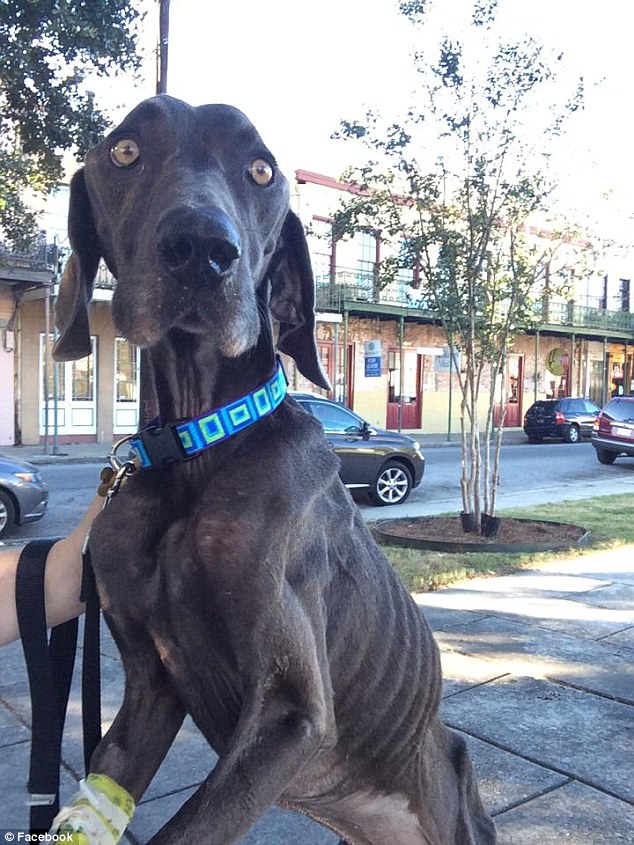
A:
(48, 48)
(451, 187)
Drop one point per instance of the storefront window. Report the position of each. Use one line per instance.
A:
(126, 370)
(54, 372)
(83, 379)
(73, 409)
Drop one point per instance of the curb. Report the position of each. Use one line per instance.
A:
(47, 460)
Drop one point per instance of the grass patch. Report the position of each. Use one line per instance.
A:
(609, 518)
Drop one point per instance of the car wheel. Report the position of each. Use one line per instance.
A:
(605, 456)
(7, 512)
(572, 434)
(393, 484)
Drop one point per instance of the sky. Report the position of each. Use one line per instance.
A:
(296, 68)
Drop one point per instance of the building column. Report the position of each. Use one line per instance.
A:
(345, 358)
(535, 370)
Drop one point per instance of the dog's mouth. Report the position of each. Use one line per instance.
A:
(225, 314)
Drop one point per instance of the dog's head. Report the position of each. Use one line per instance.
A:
(190, 213)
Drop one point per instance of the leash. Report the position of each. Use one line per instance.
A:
(50, 662)
(50, 670)
(111, 479)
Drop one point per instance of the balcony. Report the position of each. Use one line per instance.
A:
(39, 257)
(30, 268)
(582, 317)
(350, 288)
(357, 287)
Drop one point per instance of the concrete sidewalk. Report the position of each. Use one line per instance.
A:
(539, 674)
(89, 452)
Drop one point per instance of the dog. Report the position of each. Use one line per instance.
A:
(236, 574)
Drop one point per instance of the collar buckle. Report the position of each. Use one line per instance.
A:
(159, 446)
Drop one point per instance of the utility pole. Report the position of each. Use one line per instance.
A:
(148, 405)
(163, 45)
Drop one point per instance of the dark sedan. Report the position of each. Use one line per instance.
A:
(386, 464)
(23, 494)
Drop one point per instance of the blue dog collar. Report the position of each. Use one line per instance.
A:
(158, 445)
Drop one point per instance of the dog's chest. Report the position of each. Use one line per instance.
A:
(167, 594)
(205, 678)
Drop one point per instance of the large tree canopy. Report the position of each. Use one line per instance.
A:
(48, 49)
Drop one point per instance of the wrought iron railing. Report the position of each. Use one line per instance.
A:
(584, 317)
(39, 257)
(104, 278)
(348, 287)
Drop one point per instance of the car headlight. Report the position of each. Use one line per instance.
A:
(29, 477)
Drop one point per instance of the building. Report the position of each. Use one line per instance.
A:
(582, 346)
(383, 350)
(94, 399)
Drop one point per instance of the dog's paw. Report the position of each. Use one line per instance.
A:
(97, 815)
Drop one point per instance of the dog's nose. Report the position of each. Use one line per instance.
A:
(198, 243)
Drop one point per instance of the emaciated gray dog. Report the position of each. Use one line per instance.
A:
(236, 574)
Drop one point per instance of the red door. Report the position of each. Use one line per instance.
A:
(410, 405)
(327, 356)
(512, 400)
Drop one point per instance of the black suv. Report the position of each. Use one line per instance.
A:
(568, 419)
(386, 464)
(613, 432)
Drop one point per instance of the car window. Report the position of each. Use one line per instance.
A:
(620, 410)
(590, 407)
(566, 406)
(334, 417)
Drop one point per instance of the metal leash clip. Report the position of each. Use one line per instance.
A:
(113, 476)
(120, 475)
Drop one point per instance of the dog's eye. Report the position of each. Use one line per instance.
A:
(261, 172)
(124, 152)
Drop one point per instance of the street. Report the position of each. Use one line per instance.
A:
(529, 473)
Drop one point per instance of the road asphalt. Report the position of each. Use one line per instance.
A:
(538, 674)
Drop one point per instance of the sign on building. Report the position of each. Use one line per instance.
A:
(372, 351)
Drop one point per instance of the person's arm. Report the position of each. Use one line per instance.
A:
(62, 579)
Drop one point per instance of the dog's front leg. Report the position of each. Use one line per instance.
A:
(286, 718)
(149, 718)
(130, 753)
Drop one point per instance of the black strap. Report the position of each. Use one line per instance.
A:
(50, 670)
(91, 664)
(49, 666)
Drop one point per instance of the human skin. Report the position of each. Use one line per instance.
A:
(62, 579)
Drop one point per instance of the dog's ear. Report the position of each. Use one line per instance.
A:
(75, 290)
(292, 300)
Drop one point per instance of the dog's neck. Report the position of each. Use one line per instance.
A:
(186, 377)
